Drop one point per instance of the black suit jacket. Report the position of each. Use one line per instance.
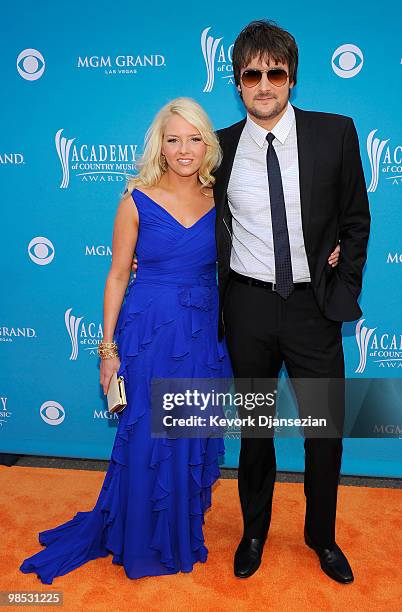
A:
(334, 207)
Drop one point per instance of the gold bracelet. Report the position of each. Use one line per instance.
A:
(107, 350)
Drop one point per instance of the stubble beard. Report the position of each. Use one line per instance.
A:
(271, 114)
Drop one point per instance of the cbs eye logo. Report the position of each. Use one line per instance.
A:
(41, 250)
(52, 412)
(30, 64)
(347, 61)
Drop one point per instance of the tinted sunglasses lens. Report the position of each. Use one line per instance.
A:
(251, 78)
(277, 76)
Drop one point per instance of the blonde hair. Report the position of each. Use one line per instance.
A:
(151, 166)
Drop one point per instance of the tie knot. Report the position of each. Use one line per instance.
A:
(270, 137)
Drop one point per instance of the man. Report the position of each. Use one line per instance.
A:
(291, 186)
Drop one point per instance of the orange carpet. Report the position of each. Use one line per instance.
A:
(289, 579)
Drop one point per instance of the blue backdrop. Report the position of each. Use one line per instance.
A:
(81, 83)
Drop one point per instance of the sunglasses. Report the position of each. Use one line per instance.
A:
(276, 76)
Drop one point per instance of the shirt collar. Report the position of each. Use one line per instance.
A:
(280, 131)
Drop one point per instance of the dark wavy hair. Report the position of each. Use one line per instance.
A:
(265, 39)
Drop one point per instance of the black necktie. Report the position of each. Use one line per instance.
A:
(283, 261)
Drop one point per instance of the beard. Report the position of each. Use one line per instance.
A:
(273, 112)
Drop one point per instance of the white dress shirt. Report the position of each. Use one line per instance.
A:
(248, 195)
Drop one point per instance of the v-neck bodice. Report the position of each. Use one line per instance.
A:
(172, 217)
(169, 252)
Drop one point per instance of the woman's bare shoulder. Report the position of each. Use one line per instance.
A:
(149, 191)
(127, 207)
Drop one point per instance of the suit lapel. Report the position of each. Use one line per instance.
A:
(229, 141)
(305, 149)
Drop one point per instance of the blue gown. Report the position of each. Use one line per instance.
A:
(150, 510)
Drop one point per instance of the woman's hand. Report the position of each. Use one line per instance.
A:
(134, 264)
(333, 259)
(107, 369)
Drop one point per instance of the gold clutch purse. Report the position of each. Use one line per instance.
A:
(116, 395)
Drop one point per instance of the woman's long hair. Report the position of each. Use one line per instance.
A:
(151, 166)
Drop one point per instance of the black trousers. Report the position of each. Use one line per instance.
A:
(263, 332)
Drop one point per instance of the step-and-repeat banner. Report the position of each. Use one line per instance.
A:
(81, 82)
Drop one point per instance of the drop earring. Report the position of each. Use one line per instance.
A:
(163, 162)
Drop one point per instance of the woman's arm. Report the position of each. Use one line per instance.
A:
(125, 235)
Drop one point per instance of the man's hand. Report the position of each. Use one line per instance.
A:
(334, 257)
(134, 265)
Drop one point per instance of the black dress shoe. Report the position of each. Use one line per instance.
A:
(332, 560)
(248, 557)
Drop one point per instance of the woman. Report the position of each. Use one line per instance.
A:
(150, 509)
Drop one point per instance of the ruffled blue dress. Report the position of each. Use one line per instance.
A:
(150, 511)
